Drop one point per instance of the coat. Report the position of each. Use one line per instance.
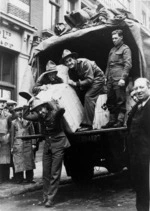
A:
(119, 63)
(51, 126)
(139, 135)
(5, 125)
(23, 156)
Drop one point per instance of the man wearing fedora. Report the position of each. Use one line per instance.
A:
(88, 80)
(49, 114)
(5, 127)
(48, 77)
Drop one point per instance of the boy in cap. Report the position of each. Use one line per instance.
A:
(48, 77)
(5, 126)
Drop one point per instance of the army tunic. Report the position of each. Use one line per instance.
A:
(90, 81)
(55, 144)
(118, 67)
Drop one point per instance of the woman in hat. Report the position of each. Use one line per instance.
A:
(48, 77)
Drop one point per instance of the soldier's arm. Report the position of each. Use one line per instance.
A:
(88, 74)
(127, 57)
(28, 115)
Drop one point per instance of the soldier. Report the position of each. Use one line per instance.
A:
(5, 126)
(49, 114)
(117, 71)
(87, 79)
(23, 156)
(48, 77)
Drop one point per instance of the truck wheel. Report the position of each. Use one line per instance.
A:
(82, 174)
(80, 168)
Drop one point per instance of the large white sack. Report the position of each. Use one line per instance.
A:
(101, 116)
(68, 99)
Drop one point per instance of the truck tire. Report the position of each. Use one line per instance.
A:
(78, 165)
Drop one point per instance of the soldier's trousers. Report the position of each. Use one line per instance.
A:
(52, 165)
(116, 99)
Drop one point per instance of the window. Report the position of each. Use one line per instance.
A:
(54, 13)
(70, 6)
(7, 75)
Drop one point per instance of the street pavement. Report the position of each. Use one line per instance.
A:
(9, 189)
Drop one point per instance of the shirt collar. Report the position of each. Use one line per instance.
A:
(144, 102)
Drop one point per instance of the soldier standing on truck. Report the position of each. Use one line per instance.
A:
(86, 77)
(117, 71)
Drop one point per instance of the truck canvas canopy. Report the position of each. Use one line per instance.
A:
(94, 43)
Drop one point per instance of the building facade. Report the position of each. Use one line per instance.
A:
(16, 35)
(24, 23)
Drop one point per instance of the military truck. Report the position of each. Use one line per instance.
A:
(100, 147)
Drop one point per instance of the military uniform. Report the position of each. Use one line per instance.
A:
(90, 82)
(118, 67)
(55, 144)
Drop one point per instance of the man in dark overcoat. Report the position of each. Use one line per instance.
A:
(87, 78)
(139, 143)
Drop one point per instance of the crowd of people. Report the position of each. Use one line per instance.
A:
(15, 153)
(89, 82)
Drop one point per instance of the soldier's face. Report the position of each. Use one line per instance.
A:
(142, 90)
(116, 39)
(43, 111)
(70, 62)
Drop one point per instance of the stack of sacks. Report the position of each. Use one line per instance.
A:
(67, 98)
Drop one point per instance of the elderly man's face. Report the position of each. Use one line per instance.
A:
(142, 90)
(70, 62)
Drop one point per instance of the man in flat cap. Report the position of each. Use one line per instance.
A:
(88, 80)
(10, 105)
(5, 127)
(48, 77)
(22, 151)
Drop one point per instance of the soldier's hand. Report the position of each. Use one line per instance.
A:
(71, 82)
(43, 88)
(121, 82)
